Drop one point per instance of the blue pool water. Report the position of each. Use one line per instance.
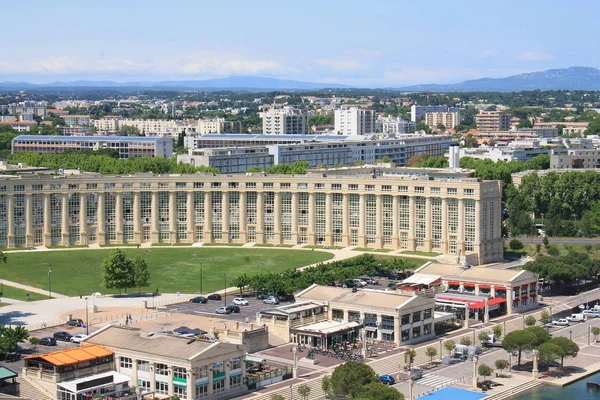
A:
(451, 393)
(575, 391)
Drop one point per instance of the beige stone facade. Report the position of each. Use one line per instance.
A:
(443, 215)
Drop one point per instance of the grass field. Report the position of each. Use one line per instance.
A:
(79, 272)
(20, 294)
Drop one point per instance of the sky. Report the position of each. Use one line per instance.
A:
(369, 43)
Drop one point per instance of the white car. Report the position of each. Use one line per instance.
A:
(271, 300)
(560, 322)
(240, 302)
(360, 282)
(591, 313)
(78, 338)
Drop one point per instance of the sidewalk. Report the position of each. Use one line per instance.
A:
(10, 301)
(32, 289)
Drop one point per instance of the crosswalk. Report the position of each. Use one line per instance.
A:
(434, 380)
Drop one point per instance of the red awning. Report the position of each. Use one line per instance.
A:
(533, 284)
(484, 286)
(500, 288)
(491, 302)
(458, 300)
(525, 286)
(454, 283)
(533, 294)
(524, 297)
(468, 284)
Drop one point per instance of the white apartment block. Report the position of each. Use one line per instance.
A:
(418, 112)
(354, 121)
(76, 120)
(394, 125)
(153, 127)
(448, 119)
(217, 125)
(285, 121)
(575, 158)
(106, 124)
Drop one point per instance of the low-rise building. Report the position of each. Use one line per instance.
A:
(417, 112)
(502, 153)
(575, 158)
(229, 160)
(19, 126)
(74, 130)
(176, 366)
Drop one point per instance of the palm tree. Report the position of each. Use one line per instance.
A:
(13, 336)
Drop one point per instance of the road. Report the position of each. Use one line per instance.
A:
(534, 240)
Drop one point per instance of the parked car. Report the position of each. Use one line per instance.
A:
(591, 313)
(575, 318)
(392, 285)
(266, 295)
(349, 284)
(199, 299)
(416, 373)
(78, 338)
(223, 310)
(271, 300)
(370, 281)
(233, 309)
(214, 296)
(359, 282)
(387, 379)
(561, 322)
(75, 322)
(64, 336)
(48, 341)
(240, 302)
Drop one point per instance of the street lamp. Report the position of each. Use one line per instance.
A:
(49, 282)
(225, 296)
(87, 318)
(201, 289)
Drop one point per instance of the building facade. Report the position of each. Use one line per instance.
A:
(418, 112)
(127, 146)
(575, 159)
(229, 160)
(448, 119)
(442, 215)
(77, 120)
(284, 121)
(394, 125)
(153, 127)
(354, 121)
(218, 125)
(492, 121)
(19, 126)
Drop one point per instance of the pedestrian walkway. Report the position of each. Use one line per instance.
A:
(10, 301)
(434, 380)
(32, 289)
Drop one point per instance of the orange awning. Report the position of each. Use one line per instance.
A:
(74, 355)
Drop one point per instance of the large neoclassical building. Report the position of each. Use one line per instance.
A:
(445, 214)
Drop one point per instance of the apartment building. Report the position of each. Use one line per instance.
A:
(218, 125)
(19, 126)
(416, 213)
(394, 125)
(127, 146)
(25, 107)
(515, 153)
(418, 112)
(284, 121)
(106, 124)
(229, 160)
(492, 121)
(74, 130)
(153, 127)
(354, 121)
(77, 120)
(575, 158)
(449, 119)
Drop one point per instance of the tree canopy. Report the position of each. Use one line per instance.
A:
(351, 378)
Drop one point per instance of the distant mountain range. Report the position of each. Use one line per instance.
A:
(573, 78)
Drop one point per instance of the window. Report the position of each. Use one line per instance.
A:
(416, 316)
(161, 387)
(145, 185)
(127, 185)
(403, 189)
(125, 362)
(452, 191)
(233, 185)
(285, 185)
(108, 186)
(179, 372)
(268, 185)
(386, 188)
(427, 313)
(180, 391)
(469, 192)
(435, 190)
(416, 332)
(73, 186)
(370, 188)
(303, 186)
(387, 322)
(201, 391)
(143, 366)
(405, 319)
(218, 368)
(352, 187)
(426, 329)
(180, 185)
(336, 186)
(387, 337)
(198, 185)
(337, 315)
(215, 185)
(37, 188)
(202, 372)
(319, 186)
(144, 384)
(219, 386)
(19, 188)
(251, 185)
(236, 363)
(235, 381)
(419, 189)
(162, 369)
(370, 320)
(405, 335)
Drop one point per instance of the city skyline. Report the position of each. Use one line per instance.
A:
(382, 43)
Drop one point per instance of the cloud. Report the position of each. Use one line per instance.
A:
(534, 56)
(488, 53)
(340, 64)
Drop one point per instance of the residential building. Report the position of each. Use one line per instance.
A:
(570, 128)
(106, 124)
(503, 153)
(218, 125)
(354, 121)
(172, 365)
(394, 125)
(153, 127)
(7, 118)
(516, 134)
(418, 112)
(19, 126)
(229, 160)
(415, 213)
(37, 108)
(75, 130)
(449, 119)
(492, 121)
(314, 153)
(575, 158)
(77, 120)
(284, 121)
(127, 146)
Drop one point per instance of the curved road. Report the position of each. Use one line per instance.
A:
(535, 240)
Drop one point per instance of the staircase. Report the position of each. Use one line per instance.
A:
(508, 394)
(31, 391)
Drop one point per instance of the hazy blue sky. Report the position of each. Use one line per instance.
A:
(367, 43)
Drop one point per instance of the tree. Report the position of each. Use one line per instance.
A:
(34, 342)
(545, 317)
(484, 370)
(3, 258)
(11, 337)
(518, 341)
(549, 353)
(530, 320)
(127, 130)
(409, 357)
(141, 273)
(304, 390)
(595, 332)
(524, 123)
(118, 271)
(380, 392)
(593, 127)
(350, 378)
(466, 341)
(326, 386)
(277, 397)
(241, 282)
(422, 126)
(431, 352)
(545, 241)
(501, 364)
(497, 329)
(568, 347)
(540, 335)
(483, 337)
(449, 346)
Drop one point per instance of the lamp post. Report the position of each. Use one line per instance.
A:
(201, 289)
(87, 318)
(49, 282)
(225, 296)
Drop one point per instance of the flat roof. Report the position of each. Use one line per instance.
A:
(71, 386)
(364, 297)
(89, 138)
(74, 355)
(327, 327)
(483, 274)
(6, 373)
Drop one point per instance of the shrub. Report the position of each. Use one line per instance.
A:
(515, 244)
(530, 320)
(466, 341)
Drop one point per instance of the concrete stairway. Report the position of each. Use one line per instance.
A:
(508, 394)
(32, 391)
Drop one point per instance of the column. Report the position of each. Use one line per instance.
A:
(362, 207)
(227, 372)
(477, 246)
(444, 241)
(460, 236)
(83, 226)
(64, 219)
(101, 220)
(154, 218)
(134, 370)
(295, 218)
(119, 217)
(46, 228)
(277, 218)
(152, 375)
(28, 220)
(346, 219)
(190, 217)
(171, 392)
(225, 212)
(260, 217)
(395, 218)
(378, 221)
(243, 218)
(509, 300)
(10, 216)
(173, 217)
(311, 219)
(328, 219)
(137, 217)
(427, 241)
(191, 382)
(397, 330)
(411, 227)
(208, 217)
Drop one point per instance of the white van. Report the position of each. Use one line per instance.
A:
(576, 318)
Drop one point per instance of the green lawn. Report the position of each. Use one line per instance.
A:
(373, 250)
(79, 271)
(422, 253)
(20, 294)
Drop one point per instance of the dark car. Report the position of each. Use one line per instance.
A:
(265, 295)
(48, 341)
(349, 284)
(214, 296)
(255, 369)
(392, 285)
(387, 379)
(64, 336)
(199, 299)
(75, 322)
(233, 309)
